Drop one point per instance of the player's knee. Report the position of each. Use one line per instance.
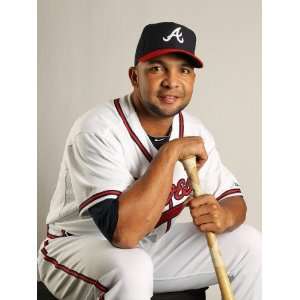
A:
(138, 268)
(135, 276)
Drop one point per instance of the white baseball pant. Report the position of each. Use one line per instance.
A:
(88, 268)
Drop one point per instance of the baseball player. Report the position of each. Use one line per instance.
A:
(112, 232)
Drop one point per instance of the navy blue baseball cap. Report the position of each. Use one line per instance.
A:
(164, 38)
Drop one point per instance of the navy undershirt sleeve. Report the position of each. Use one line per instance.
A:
(105, 215)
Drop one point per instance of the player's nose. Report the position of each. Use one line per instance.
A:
(170, 80)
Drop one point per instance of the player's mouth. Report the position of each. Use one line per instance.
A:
(168, 99)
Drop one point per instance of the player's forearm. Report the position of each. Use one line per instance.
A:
(236, 211)
(140, 207)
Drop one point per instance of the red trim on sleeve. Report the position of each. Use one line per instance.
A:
(97, 196)
(229, 192)
(130, 131)
(73, 273)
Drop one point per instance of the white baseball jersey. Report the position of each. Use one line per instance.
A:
(107, 150)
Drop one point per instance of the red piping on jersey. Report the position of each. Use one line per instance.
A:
(73, 273)
(97, 196)
(130, 131)
(229, 192)
(170, 214)
(181, 125)
(53, 236)
(181, 133)
(169, 221)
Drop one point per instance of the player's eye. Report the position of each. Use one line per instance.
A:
(156, 69)
(186, 70)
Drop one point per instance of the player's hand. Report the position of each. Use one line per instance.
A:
(189, 146)
(209, 215)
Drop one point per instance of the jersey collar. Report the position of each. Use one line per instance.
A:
(137, 133)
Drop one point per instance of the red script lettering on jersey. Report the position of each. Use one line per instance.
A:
(180, 190)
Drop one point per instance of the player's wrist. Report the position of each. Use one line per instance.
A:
(168, 151)
(229, 218)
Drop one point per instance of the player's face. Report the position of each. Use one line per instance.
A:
(165, 84)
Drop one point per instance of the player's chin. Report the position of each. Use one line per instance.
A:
(170, 109)
(169, 112)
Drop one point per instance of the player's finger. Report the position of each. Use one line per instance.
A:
(201, 210)
(209, 227)
(200, 161)
(203, 219)
(199, 150)
(201, 157)
(202, 200)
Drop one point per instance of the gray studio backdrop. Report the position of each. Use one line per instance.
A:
(84, 51)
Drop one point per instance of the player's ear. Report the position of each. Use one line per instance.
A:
(132, 72)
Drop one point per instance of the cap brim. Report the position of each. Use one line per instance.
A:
(197, 63)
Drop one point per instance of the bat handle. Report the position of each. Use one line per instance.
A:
(190, 167)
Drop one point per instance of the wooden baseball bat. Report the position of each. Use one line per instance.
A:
(223, 280)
